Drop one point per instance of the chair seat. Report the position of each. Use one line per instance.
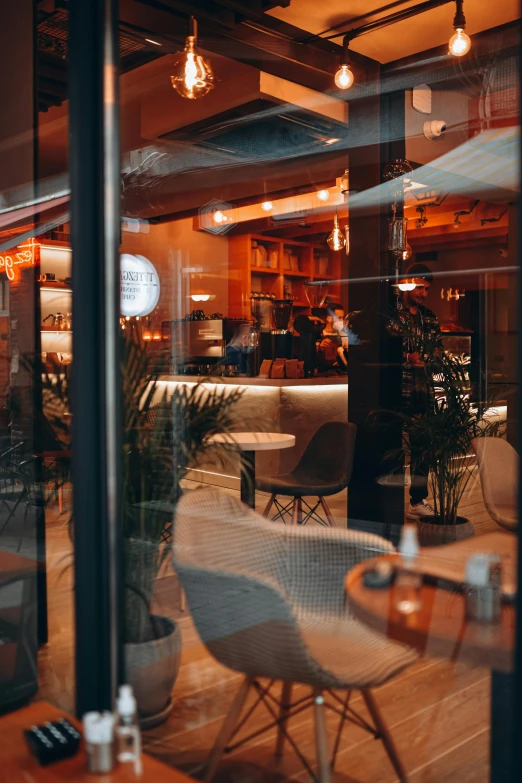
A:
(366, 660)
(296, 484)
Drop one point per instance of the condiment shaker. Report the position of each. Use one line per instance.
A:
(98, 729)
(483, 588)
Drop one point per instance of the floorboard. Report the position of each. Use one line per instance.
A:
(438, 711)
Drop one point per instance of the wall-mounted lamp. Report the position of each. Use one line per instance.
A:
(460, 212)
(406, 284)
(493, 219)
(422, 219)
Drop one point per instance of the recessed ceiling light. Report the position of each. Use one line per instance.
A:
(267, 206)
(332, 141)
(156, 43)
(323, 195)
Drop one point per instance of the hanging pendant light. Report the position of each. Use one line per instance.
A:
(192, 76)
(336, 240)
(344, 77)
(460, 43)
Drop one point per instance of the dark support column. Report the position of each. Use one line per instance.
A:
(96, 383)
(374, 366)
(502, 728)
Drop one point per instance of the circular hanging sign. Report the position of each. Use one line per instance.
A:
(139, 285)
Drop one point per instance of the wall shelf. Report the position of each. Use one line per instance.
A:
(261, 270)
(245, 278)
(53, 286)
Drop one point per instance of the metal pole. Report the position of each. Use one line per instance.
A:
(96, 383)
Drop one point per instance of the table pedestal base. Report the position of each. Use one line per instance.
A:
(248, 478)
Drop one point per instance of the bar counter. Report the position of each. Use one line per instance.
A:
(295, 406)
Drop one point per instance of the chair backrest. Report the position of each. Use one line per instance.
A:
(248, 581)
(227, 562)
(498, 467)
(329, 455)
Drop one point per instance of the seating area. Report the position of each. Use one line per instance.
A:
(443, 704)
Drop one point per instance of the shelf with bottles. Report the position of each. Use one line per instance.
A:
(298, 262)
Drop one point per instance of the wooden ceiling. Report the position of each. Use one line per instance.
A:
(410, 36)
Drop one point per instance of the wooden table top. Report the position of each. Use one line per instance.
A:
(439, 628)
(19, 766)
(256, 441)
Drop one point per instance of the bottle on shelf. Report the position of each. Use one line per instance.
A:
(128, 734)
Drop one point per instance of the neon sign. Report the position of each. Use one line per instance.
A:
(23, 256)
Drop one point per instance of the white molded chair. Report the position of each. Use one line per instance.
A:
(498, 468)
(269, 601)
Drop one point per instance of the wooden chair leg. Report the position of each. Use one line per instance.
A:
(60, 499)
(295, 512)
(269, 505)
(227, 728)
(387, 739)
(284, 709)
(321, 739)
(327, 511)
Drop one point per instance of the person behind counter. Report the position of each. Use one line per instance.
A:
(421, 340)
(334, 338)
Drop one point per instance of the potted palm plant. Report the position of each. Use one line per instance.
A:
(163, 437)
(441, 438)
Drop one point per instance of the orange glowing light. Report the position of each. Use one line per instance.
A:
(25, 255)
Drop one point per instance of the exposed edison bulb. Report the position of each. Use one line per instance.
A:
(336, 240)
(407, 285)
(192, 76)
(407, 253)
(219, 216)
(460, 43)
(267, 206)
(344, 77)
(323, 195)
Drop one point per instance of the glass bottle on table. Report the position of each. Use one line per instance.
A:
(408, 581)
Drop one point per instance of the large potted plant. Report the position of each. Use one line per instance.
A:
(441, 438)
(163, 437)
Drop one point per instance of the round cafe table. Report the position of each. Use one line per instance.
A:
(440, 628)
(249, 443)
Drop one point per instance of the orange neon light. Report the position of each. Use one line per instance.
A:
(25, 255)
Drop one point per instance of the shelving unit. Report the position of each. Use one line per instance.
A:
(297, 262)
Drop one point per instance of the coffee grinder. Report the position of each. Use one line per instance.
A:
(281, 335)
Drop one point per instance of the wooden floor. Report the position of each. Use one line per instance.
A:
(438, 711)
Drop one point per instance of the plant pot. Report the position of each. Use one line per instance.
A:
(433, 533)
(152, 668)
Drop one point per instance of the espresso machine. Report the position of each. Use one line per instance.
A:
(211, 345)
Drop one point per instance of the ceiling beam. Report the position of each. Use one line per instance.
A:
(272, 47)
